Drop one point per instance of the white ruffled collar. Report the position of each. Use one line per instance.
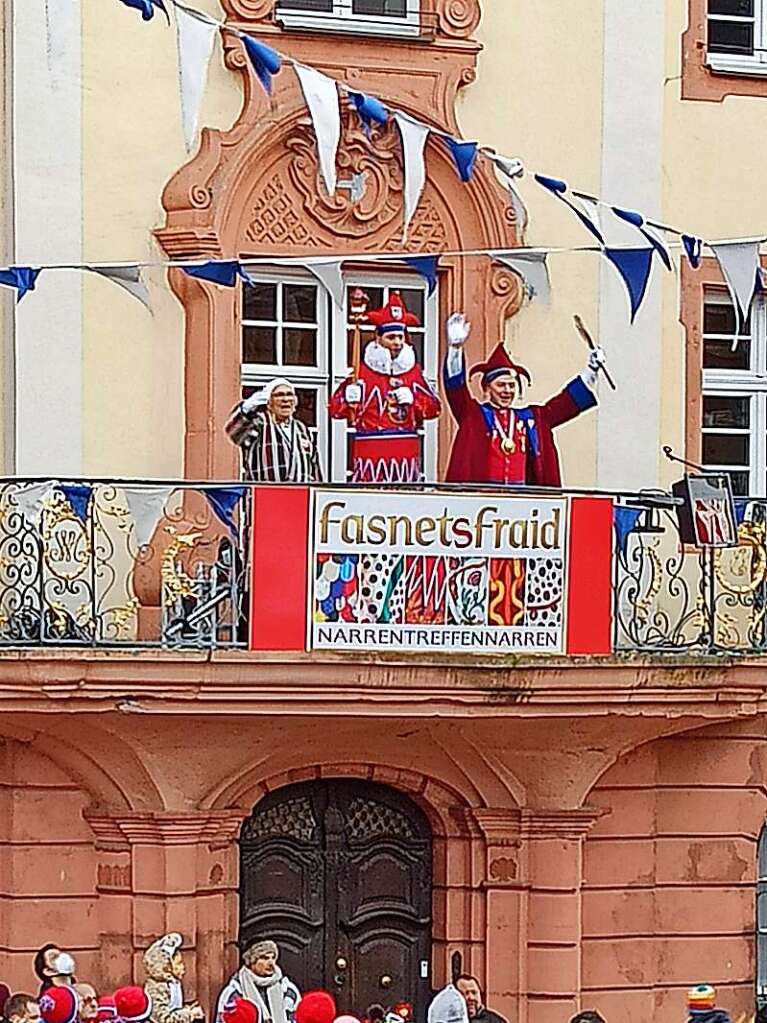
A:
(379, 359)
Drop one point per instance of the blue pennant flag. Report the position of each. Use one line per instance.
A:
(625, 521)
(637, 220)
(266, 61)
(740, 511)
(223, 271)
(692, 248)
(223, 501)
(371, 110)
(22, 278)
(465, 157)
(559, 189)
(634, 266)
(147, 8)
(426, 266)
(79, 497)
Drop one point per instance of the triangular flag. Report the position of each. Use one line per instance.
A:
(31, 500)
(693, 248)
(79, 497)
(740, 264)
(22, 278)
(321, 95)
(741, 507)
(512, 169)
(223, 501)
(637, 221)
(561, 191)
(426, 266)
(634, 266)
(220, 271)
(532, 268)
(127, 277)
(195, 38)
(414, 136)
(328, 273)
(146, 506)
(371, 110)
(448, 1006)
(624, 521)
(464, 155)
(147, 8)
(266, 61)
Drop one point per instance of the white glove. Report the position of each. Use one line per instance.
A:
(255, 401)
(458, 329)
(590, 375)
(353, 394)
(403, 395)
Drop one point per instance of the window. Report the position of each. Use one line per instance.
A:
(291, 328)
(737, 36)
(371, 17)
(734, 414)
(761, 918)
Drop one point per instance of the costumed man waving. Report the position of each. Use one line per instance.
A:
(498, 443)
(386, 399)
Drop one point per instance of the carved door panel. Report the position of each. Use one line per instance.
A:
(339, 874)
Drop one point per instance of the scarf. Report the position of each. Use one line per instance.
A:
(265, 992)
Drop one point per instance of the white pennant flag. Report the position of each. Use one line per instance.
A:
(195, 45)
(127, 277)
(321, 95)
(512, 169)
(328, 273)
(414, 136)
(146, 506)
(532, 268)
(740, 263)
(31, 500)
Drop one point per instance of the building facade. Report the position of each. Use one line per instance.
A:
(585, 831)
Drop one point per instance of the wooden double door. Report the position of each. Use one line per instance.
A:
(338, 873)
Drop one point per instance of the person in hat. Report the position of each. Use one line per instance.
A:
(21, 1008)
(54, 967)
(701, 1006)
(261, 981)
(132, 1004)
(89, 1002)
(106, 1010)
(165, 970)
(59, 1004)
(316, 1007)
(277, 447)
(240, 1010)
(498, 443)
(386, 400)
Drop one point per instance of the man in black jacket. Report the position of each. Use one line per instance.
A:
(472, 995)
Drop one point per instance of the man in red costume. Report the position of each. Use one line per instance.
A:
(387, 402)
(496, 443)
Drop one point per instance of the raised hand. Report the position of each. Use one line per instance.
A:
(458, 329)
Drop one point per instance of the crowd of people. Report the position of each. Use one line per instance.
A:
(258, 992)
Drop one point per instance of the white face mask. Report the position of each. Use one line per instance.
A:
(64, 964)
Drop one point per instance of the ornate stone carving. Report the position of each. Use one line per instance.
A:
(276, 218)
(508, 287)
(114, 877)
(458, 18)
(503, 869)
(250, 10)
(427, 232)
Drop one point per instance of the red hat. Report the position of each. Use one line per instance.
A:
(499, 364)
(59, 1005)
(392, 316)
(240, 1010)
(107, 1010)
(316, 1007)
(132, 1004)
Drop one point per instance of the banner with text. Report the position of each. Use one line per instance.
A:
(415, 571)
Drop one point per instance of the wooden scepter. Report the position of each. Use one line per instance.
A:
(581, 328)
(359, 301)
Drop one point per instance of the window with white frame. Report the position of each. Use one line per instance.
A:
(291, 328)
(369, 17)
(734, 413)
(737, 36)
(761, 918)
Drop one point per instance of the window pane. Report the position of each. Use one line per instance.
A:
(742, 8)
(299, 347)
(259, 302)
(731, 37)
(724, 449)
(375, 296)
(740, 482)
(381, 8)
(299, 303)
(727, 413)
(416, 340)
(719, 318)
(259, 344)
(413, 299)
(307, 406)
(719, 355)
(321, 6)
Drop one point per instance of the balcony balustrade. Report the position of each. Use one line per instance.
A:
(137, 564)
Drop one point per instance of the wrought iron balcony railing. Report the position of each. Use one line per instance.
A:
(167, 565)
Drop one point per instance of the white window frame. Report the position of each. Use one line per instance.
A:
(742, 63)
(750, 383)
(343, 19)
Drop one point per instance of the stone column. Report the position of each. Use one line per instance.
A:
(168, 872)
